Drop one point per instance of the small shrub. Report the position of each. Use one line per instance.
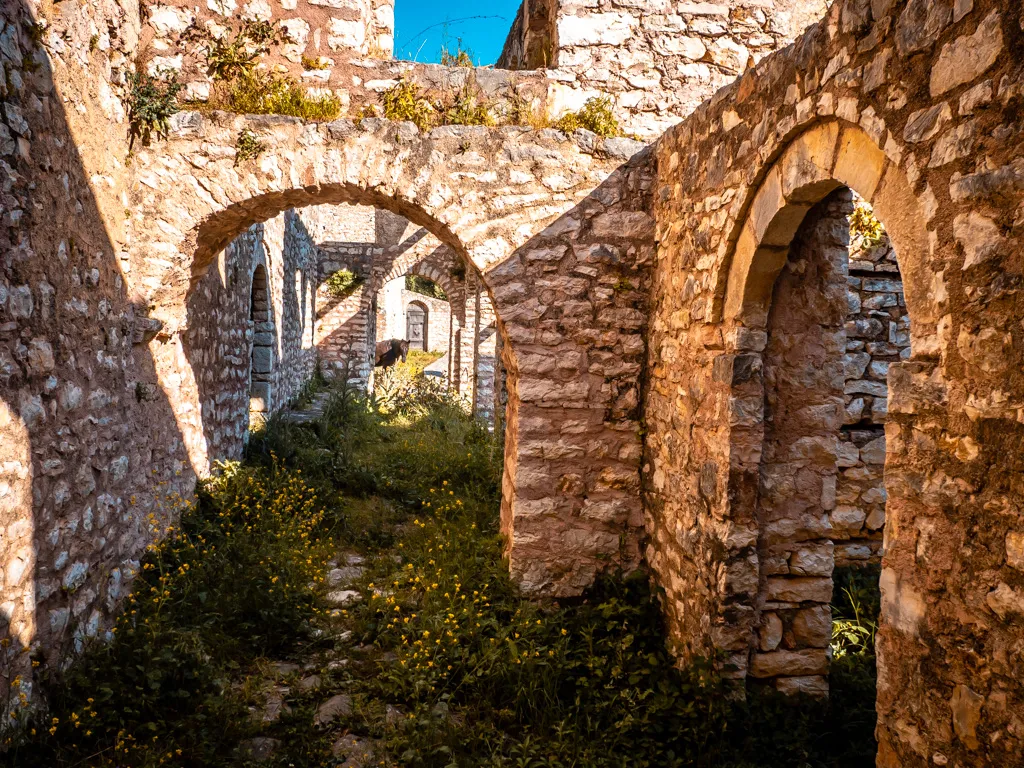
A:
(425, 287)
(866, 231)
(405, 102)
(596, 116)
(343, 283)
(248, 147)
(232, 56)
(151, 103)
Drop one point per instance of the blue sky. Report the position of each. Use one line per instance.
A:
(483, 36)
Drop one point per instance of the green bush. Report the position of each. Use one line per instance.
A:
(596, 116)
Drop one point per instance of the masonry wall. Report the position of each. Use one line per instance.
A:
(877, 331)
(91, 456)
(910, 104)
(657, 60)
(393, 309)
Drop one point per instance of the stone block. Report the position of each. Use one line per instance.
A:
(848, 520)
(799, 590)
(812, 627)
(806, 165)
(812, 560)
(967, 57)
(808, 685)
(859, 163)
(809, 661)
(262, 359)
(259, 397)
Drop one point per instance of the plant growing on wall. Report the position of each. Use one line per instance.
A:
(232, 56)
(425, 287)
(248, 147)
(404, 101)
(460, 57)
(866, 231)
(343, 283)
(596, 116)
(151, 103)
(242, 85)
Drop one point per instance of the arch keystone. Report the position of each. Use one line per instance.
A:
(859, 163)
(806, 165)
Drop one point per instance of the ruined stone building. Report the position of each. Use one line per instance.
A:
(700, 376)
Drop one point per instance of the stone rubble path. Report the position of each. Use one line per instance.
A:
(306, 676)
(334, 707)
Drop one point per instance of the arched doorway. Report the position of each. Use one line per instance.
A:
(417, 326)
(261, 328)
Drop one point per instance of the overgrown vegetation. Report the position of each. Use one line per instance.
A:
(444, 662)
(343, 283)
(595, 115)
(425, 287)
(151, 103)
(241, 84)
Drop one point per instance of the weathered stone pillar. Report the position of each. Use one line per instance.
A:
(803, 380)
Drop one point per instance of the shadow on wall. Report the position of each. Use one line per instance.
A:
(248, 338)
(92, 459)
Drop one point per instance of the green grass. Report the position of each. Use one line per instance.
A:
(446, 663)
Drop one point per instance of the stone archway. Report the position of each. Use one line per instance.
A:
(785, 565)
(869, 99)
(521, 208)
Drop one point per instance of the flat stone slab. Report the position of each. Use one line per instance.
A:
(343, 597)
(333, 708)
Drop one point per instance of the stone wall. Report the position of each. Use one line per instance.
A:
(911, 105)
(342, 47)
(393, 302)
(877, 331)
(92, 457)
(658, 60)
